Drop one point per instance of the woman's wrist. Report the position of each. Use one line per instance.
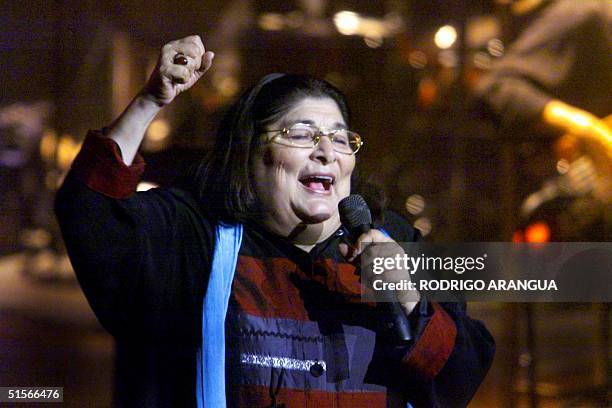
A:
(149, 101)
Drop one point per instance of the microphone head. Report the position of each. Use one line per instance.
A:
(354, 212)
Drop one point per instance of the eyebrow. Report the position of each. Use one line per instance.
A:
(337, 125)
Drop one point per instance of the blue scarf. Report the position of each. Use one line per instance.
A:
(210, 385)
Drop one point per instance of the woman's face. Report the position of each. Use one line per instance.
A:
(303, 185)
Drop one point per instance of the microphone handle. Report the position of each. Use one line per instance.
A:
(398, 320)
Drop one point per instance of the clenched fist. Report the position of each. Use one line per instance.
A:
(180, 65)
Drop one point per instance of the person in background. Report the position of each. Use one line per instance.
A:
(555, 79)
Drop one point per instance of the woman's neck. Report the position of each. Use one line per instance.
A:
(304, 236)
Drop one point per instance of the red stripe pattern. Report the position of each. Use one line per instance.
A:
(434, 347)
(258, 396)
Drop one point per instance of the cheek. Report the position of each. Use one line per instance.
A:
(347, 171)
(272, 169)
(285, 162)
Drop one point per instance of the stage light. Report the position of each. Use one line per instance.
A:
(347, 22)
(67, 149)
(537, 232)
(158, 131)
(157, 136)
(373, 30)
(445, 37)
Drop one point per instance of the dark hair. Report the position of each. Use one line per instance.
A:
(223, 180)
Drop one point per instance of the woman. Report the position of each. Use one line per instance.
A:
(295, 333)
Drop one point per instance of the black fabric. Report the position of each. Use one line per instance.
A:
(143, 263)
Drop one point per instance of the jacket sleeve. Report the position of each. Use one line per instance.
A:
(449, 359)
(451, 352)
(136, 270)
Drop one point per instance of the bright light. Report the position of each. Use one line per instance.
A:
(157, 136)
(67, 149)
(347, 22)
(158, 130)
(145, 185)
(445, 36)
(537, 232)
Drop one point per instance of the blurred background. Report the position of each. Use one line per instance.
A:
(412, 71)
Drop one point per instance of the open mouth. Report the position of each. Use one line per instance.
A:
(317, 183)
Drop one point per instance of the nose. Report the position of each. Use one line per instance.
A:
(324, 150)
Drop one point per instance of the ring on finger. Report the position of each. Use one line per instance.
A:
(180, 59)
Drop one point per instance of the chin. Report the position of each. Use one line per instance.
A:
(316, 218)
(318, 214)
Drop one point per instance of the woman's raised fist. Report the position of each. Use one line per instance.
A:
(180, 65)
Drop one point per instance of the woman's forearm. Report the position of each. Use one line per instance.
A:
(129, 128)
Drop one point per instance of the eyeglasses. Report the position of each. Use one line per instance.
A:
(305, 135)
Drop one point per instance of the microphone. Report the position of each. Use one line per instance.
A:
(355, 216)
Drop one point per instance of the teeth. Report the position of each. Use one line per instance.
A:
(327, 181)
(323, 178)
(326, 178)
